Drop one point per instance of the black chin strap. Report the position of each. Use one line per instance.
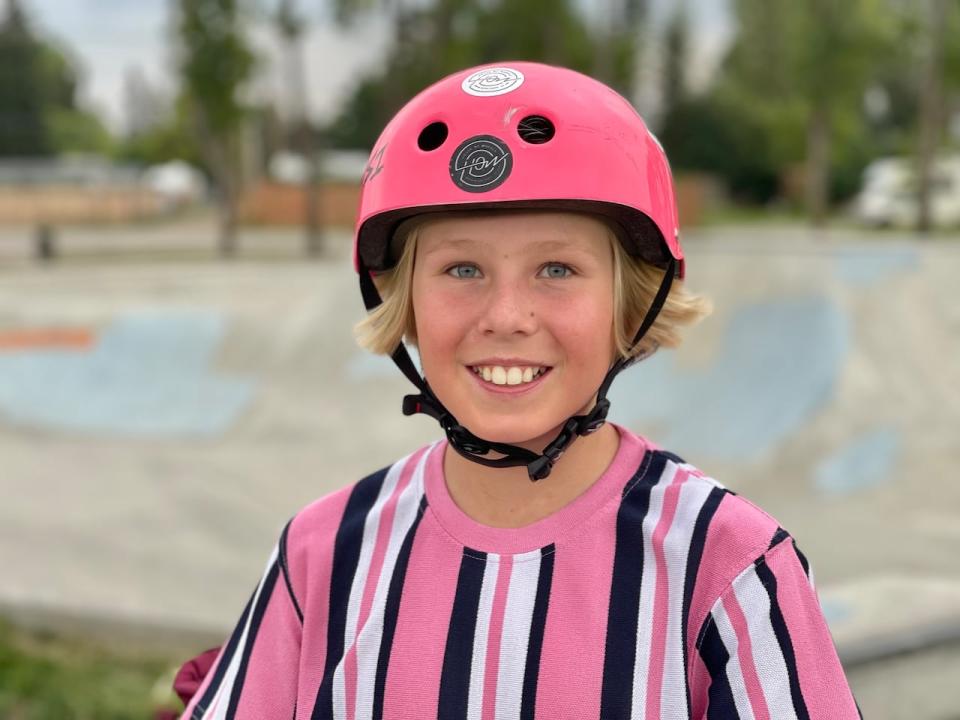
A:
(476, 449)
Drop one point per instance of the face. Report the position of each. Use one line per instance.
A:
(514, 317)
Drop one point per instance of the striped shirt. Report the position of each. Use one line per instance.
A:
(655, 594)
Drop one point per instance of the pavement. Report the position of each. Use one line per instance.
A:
(163, 413)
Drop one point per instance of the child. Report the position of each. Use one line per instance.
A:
(518, 226)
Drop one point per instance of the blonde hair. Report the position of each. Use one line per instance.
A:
(635, 284)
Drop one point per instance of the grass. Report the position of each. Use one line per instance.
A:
(48, 677)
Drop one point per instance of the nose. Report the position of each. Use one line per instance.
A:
(508, 309)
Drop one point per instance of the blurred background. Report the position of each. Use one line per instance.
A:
(178, 182)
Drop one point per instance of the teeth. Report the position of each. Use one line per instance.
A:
(514, 375)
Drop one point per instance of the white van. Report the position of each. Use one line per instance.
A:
(888, 197)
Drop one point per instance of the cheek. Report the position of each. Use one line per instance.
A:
(438, 330)
(585, 327)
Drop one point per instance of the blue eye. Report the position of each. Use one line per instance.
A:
(556, 271)
(464, 272)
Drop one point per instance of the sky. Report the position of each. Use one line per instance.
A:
(110, 38)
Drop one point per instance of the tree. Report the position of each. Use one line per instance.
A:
(291, 27)
(435, 40)
(811, 59)
(216, 62)
(931, 106)
(23, 126)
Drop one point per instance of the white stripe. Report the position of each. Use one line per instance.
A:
(368, 644)
(693, 494)
(221, 700)
(738, 686)
(517, 618)
(648, 589)
(767, 656)
(478, 662)
(370, 527)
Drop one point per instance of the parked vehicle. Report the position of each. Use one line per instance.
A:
(888, 197)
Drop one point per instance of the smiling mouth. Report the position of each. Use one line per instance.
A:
(513, 375)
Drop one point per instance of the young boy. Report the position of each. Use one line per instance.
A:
(518, 226)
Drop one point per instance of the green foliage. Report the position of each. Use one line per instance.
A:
(23, 128)
(449, 35)
(172, 139)
(216, 61)
(788, 59)
(78, 131)
(38, 87)
(45, 678)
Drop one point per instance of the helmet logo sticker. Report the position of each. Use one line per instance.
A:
(492, 81)
(373, 167)
(480, 163)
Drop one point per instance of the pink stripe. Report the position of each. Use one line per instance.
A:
(271, 680)
(577, 618)
(658, 642)
(738, 534)
(416, 658)
(373, 576)
(822, 682)
(745, 655)
(314, 527)
(493, 637)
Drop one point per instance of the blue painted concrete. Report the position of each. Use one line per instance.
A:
(777, 367)
(150, 374)
(864, 463)
(857, 267)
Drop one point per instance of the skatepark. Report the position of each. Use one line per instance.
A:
(163, 413)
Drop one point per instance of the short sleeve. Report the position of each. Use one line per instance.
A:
(255, 674)
(767, 648)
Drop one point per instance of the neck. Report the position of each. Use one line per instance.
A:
(506, 497)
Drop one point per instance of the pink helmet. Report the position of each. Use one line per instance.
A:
(519, 135)
(527, 136)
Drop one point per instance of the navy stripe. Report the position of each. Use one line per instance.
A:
(346, 556)
(778, 537)
(538, 623)
(392, 611)
(266, 591)
(695, 554)
(803, 560)
(284, 566)
(620, 652)
(224, 663)
(783, 638)
(720, 704)
(457, 656)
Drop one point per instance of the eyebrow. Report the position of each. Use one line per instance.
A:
(468, 243)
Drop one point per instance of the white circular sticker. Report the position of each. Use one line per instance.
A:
(492, 81)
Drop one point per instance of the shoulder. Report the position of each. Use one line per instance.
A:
(310, 538)
(716, 535)
(689, 502)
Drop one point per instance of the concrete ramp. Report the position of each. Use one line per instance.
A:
(160, 422)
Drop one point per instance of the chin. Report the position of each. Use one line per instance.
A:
(516, 430)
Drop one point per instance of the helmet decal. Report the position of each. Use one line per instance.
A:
(492, 81)
(373, 167)
(480, 164)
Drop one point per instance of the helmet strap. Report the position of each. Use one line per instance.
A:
(474, 448)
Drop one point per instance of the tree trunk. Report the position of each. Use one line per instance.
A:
(931, 102)
(313, 223)
(227, 240)
(818, 163)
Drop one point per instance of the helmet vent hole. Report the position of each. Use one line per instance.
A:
(432, 136)
(536, 129)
